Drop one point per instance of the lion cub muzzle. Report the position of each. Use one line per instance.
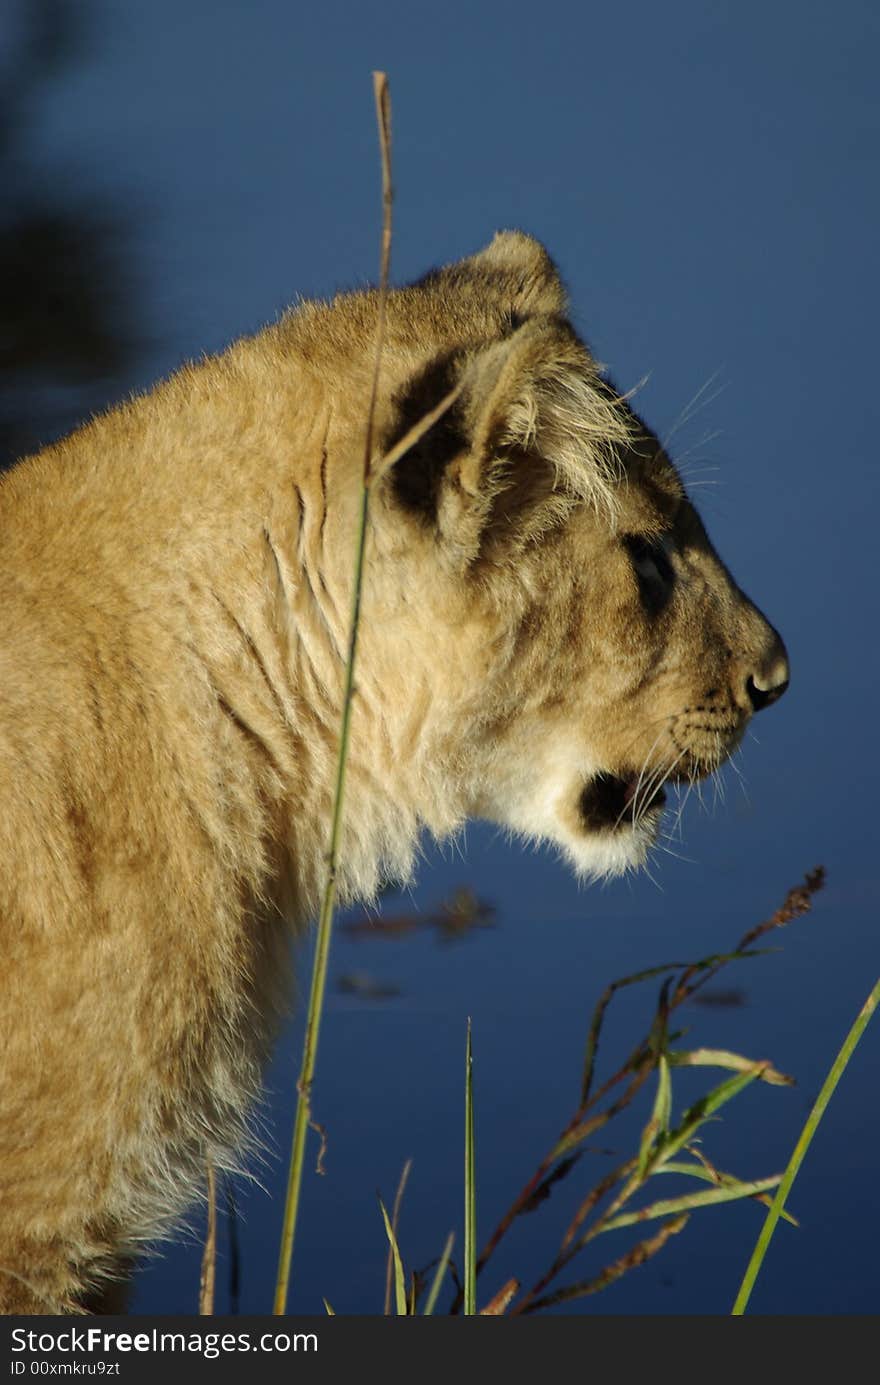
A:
(769, 679)
(692, 719)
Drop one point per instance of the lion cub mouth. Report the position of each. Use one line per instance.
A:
(615, 802)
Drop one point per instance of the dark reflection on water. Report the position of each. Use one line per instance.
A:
(68, 329)
(454, 918)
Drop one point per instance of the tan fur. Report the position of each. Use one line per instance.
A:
(175, 585)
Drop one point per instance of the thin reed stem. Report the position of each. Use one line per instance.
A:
(325, 921)
(470, 1189)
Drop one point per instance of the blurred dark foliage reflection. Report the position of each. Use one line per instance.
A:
(67, 336)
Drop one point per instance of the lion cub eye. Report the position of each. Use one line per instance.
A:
(651, 564)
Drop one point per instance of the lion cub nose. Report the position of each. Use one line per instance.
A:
(768, 680)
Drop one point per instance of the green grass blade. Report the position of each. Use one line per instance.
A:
(800, 1149)
(693, 1170)
(663, 1104)
(658, 1125)
(436, 1283)
(399, 1280)
(671, 1206)
(707, 1106)
(690, 1170)
(724, 1092)
(721, 1058)
(470, 1192)
(395, 1222)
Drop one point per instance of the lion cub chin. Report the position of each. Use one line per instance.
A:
(548, 639)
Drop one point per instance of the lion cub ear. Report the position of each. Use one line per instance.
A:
(518, 268)
(511, 277)
(534, 430)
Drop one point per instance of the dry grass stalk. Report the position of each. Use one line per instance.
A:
(209, 1254)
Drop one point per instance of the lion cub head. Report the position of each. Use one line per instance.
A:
(545, 613)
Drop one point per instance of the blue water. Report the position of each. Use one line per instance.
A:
(706, 177)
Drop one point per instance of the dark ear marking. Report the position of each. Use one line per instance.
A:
(417, 476)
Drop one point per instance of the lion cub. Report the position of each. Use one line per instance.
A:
(548, 638)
